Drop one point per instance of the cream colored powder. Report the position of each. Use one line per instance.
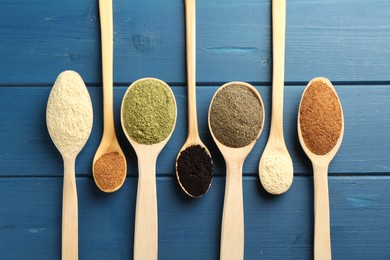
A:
(276, 172)
(69, 113)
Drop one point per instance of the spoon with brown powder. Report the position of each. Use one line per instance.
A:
(109, 164)
(320, 132)
(194, 166)
(236, 119)
(276, 167)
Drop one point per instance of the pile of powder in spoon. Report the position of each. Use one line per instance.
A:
(194, 169)
(320, 118)
(69, 114)
(236, 116)
(149, 111)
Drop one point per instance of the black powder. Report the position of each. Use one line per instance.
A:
(194, 170)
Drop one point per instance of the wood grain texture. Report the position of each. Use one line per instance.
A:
(341, 40)
(365, 148)
(345, 41)
(275, 227)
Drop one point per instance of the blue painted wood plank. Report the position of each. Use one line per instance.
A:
(26, 148)
(343, 40)
(275, 227)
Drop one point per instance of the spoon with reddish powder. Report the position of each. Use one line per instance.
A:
(109, 164)
(320, 132)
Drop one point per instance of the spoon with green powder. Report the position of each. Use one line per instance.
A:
(148, 116)
(276, 168)
(69, 122)
(320, 132)
(194, 166)
(236, 119)
(109, 164)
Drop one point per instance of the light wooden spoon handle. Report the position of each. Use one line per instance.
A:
(322, 248)
(106, 27)
(278, 45)
(232, 233)
(69, 212)
(145, 233)
(190, 12)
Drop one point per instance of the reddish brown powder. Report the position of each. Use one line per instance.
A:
(109, 171)
(320, 118)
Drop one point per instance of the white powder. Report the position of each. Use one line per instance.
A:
(69, 113)
(276, 171)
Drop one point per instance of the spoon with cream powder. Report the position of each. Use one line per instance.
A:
(276, 167)
(69, 120)
(236, 119)
(320, 132)
(109, 164)
(148, 116)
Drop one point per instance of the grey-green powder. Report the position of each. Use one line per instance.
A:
(148, 111)
(236, 115)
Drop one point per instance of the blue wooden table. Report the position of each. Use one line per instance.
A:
(346, 41)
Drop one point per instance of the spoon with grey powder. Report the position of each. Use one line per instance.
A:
(236, 119)
(194, 167)
(276, 167)
(69, 120)
(148, 116)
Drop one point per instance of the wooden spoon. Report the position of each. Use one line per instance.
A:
(69, 121)
(109, 142)
(232, 232)
(322, 245)
(276, 167)
(146, 225)
(193, 134)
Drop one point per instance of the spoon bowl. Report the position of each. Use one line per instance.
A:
(320, 162)
(146, 225)
(69, 120)
(232, 231)
(109, 143)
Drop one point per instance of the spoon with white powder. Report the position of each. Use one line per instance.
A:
(276, 167)
(69, 120)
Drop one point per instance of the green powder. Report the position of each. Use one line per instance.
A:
(236, 115)
(149, 111)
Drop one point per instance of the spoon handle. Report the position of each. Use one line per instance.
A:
(106, 27)
(145, 233)
(322, 247)
(232, 233)
(190, 12)
(278, 45)
(69, 213)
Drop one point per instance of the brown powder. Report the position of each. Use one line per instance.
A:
(108, 171)
(320, 118)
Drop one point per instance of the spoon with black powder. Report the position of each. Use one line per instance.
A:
(194, 167)
(236, 119)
